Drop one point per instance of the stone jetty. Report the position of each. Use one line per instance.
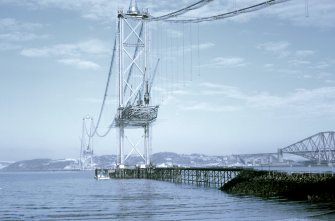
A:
(313, 187)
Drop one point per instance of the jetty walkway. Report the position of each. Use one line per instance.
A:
(209, 177)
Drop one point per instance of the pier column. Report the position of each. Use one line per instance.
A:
(147, 144)
(121, 147)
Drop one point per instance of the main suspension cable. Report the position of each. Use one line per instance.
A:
(95, 131)
(107, 132)
(181, 11)
(228, 14)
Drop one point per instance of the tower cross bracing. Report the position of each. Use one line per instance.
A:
(134, 74)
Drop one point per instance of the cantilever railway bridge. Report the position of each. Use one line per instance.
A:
(319, 148)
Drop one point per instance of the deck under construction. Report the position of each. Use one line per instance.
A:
(210, 177)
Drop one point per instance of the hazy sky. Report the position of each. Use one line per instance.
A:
(259, 81)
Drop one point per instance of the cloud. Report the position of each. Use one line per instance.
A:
(320, 65)
(68, 50)
(21, 36)
(208, 107)
(81, 64)
(317, 101)
(86, 47)
(274, 46)
(269, 65)
(94, 46)
(228, 62)
(307, 76)
(35, 52)
(299, 61)
(71, 54)
(103, 10)
(173, 89)
(14, 32)
(174, 33)
(205, 45)
(11, 24)
(304, 53)
(8, 46)
(319, 14)
(92, 100)
(314, 102)
(279, 48)
(210, 89)
(201, 46)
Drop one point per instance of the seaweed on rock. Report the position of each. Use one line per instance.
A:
(304, 186)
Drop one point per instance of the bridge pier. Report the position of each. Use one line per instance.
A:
(280, 156)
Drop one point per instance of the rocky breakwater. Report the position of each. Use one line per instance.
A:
(294, 186)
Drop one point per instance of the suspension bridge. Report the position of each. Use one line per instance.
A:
(136, 62)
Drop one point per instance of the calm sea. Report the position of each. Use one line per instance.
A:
(77, 196)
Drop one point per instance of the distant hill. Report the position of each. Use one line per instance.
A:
(4, 164)
(42, 165)
(162, 159)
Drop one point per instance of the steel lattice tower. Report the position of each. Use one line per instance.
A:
(134, 81)
(86, 149)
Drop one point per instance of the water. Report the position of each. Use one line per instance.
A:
(77, 196)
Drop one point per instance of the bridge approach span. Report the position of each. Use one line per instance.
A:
(256, 158)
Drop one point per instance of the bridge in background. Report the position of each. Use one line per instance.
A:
(256, 159)
(319, 148)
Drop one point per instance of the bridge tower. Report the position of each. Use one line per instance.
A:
(134, 82)
(86, 149)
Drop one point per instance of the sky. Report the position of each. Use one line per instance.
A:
(248, 84)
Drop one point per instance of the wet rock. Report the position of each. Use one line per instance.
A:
(296, 186)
